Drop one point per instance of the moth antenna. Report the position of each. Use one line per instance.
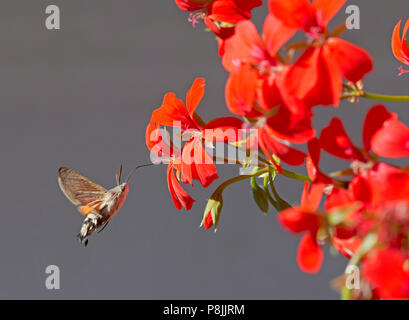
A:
(137, 167)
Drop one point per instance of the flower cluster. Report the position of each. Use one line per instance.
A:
(274, 85)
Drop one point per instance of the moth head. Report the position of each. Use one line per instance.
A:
(124, 187)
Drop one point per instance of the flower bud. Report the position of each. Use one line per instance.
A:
(212, 212)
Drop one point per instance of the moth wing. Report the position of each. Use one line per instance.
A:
(80, 190)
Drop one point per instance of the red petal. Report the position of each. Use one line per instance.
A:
(275, 34)
(286, 153)
(374, 120)
(187, 170)
(225, 129)
(385, 269)
(353, 61)
(241, 91)
(188, 5)
(172, 111)
(222, 33)
(208, 221)
(194, 95)
(348, 246)
(197, 164)
(224, 123)
(232, 11)
(405, 47)
(311, 199)
(179, 196)
(312, 163)
(295, 128)
(315, 78)
(245, 46)
(360, 189)
(335, 141)
(298, 14)
(328, 8)
(399, 47)
(397, 42)
(338, 198)
(297, 220)
(152, 135)
(392, 140)
(309, 256)
(387, 183)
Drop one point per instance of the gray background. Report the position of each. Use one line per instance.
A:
(82, 97)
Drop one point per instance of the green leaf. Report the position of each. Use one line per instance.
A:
(260, 196)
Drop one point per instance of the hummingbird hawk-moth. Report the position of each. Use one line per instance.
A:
(98, 204)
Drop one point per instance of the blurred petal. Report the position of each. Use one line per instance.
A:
(392, 140)
(311, 196)
(347, 246)
(374, 120)
(385, 270)
(297, 220)
(298, 14)
(312, 163)
(275, 34)
(309, 256)
(246, 46)
(328, 8)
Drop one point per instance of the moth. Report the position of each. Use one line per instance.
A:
(98, 204)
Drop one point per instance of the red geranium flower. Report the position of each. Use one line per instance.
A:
(336, 141)
(316, 77)
(220, 16)
(192, 162)
(400, 47)
(158, 147)
(306, 219)
(253, 89)
(227, 11)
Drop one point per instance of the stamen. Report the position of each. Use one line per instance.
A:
(402, 71)
(195, 17)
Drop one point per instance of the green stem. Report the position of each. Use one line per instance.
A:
(296, 176)
(383, 97)
(229, 182)
(286, 173)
